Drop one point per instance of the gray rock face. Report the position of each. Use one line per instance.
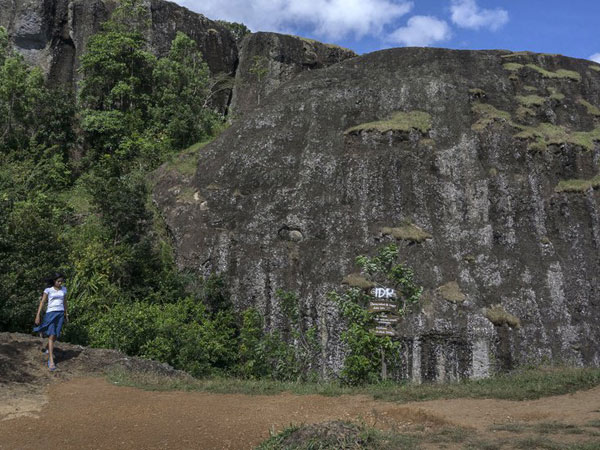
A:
(270, 59)
(53, 34)
(478, 162)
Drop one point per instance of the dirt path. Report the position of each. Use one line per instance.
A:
(91, 413)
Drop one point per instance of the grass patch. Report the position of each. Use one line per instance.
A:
(530, 100)
(523, 113)
(555, 94)
(186, 161)
(591, 109)
(498, 316)
(488, 115)
(519, 385)
(595, 67)
(559, 74)
(530, 88)
(578, 185)
(399, 121)
(407, 232)
(513, 67)
(451, 292)
(358, 280)
(338, 435)
(546, 134)
(313, 42)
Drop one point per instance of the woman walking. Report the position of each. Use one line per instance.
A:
(56, 313)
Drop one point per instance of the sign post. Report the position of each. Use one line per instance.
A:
(386, 316)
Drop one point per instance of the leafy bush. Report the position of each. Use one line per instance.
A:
(365, 350)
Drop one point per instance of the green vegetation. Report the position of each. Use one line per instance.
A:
(578, 185)
(239, 30)
(595, 67)
(498, 316)
(399, 121)
(407, 232)
(513, 67)
(559, 74)
(523, 113)
(545, 134)
(488, 115)
(530, 100)
(591, 109)
(524, 384)
(334, 46)
(338, 435)
(364, 349)
(555, 94)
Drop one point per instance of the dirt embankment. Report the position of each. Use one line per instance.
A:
(73, 408)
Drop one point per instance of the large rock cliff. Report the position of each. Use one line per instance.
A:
(483, 167)
(270, 59)
(53, 34)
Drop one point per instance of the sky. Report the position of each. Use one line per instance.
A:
(570, 28)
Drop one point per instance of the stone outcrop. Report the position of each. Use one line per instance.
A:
(269, 59)
(53, 34)
(481, 165)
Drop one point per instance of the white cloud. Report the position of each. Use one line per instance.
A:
(421, 31)
(332, 19)
(595, 57)
(466, 14)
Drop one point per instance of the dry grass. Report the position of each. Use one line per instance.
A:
(358, 280)
(407, 232)
(498, 316)
(399, 121)
(451, 292)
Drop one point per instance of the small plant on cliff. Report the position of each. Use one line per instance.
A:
(259, 68)
(365, 349)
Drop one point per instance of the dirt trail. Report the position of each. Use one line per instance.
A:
(70, 409)
(91, 413)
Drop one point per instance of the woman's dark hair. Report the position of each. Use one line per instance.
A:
(52, 278)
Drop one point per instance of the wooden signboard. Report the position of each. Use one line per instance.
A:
(380, 306)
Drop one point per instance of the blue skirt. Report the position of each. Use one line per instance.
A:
(52, 323)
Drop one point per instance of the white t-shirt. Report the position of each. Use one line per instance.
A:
(56, 299)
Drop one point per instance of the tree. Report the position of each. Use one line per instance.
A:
(181, 89)
(364, 348)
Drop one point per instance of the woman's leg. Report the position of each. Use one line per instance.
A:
(51, 340)
(44, 344)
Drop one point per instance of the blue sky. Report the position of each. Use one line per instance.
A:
(552, 26)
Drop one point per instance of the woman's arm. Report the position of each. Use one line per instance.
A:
(66, 310)
(39, 311)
